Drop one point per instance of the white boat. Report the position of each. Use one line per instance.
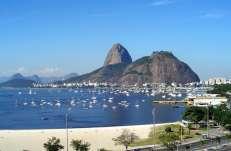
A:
(113, 107)
(30, 92)
(58, 104)
(110, 101)
(137, 105)
(105, 105)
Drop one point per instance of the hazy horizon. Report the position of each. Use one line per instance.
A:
(54, 38)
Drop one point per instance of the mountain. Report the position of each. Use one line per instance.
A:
(35, 78)
(71, 75)
(4, 79)
(18, 81)
(117, 54)
(17, 76)
(160, 67)
(109, 73)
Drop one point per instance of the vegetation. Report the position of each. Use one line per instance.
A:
(220, 114)
(156, 135)
(221, 89)
(195, 114)
(103, 149)
(78, 145)
(169, 138)
(53, 144)
(126, 139)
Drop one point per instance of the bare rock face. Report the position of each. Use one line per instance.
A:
(160, 67)
(118, 54)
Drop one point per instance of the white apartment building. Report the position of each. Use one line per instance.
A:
(213, 81)
(205, 101)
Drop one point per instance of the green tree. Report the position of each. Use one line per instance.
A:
(85, 147)
(78, 145)
(169, 139)
(126, 138)
(168, 130)
(53, 144)
(195, 114)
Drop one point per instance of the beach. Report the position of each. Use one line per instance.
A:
(33, 140)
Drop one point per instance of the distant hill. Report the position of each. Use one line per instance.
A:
(17, 76)
(160, 67)
(71, 75)
(4, 79)
(35, 78)
(18, 83)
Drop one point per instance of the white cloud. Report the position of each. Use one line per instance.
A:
(161, 2)
(214, 15)
(21, 70)
(50, 71)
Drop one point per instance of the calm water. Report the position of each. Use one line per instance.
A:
(46, 108)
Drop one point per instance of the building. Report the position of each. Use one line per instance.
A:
(218, 81)
(204, 101)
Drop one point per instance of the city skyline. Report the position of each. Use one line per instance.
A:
(75, 36)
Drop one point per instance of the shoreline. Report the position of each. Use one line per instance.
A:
(89, 128)
(98, 137)
(97, 127)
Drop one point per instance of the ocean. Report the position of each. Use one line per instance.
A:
(81, 108)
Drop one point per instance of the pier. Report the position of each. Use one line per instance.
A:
(170, 102)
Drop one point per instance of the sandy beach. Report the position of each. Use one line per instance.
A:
(32, 140)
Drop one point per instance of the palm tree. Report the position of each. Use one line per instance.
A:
(85, 147)
(53, 144)
(78, 145)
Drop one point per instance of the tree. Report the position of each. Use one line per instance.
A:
(168, 130)
(189, 126)
(126, 138)
(53, 144)
(85, 147)
(78, 145)
(195, 114)
(169, 139)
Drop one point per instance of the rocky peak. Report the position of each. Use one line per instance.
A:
(167, 54)
(118, 54)
(160, 67)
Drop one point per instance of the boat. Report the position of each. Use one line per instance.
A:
(44, 118)
(30, 92)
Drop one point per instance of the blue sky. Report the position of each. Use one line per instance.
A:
(55, 37)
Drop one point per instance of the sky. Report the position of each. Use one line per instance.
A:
(56, 37)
